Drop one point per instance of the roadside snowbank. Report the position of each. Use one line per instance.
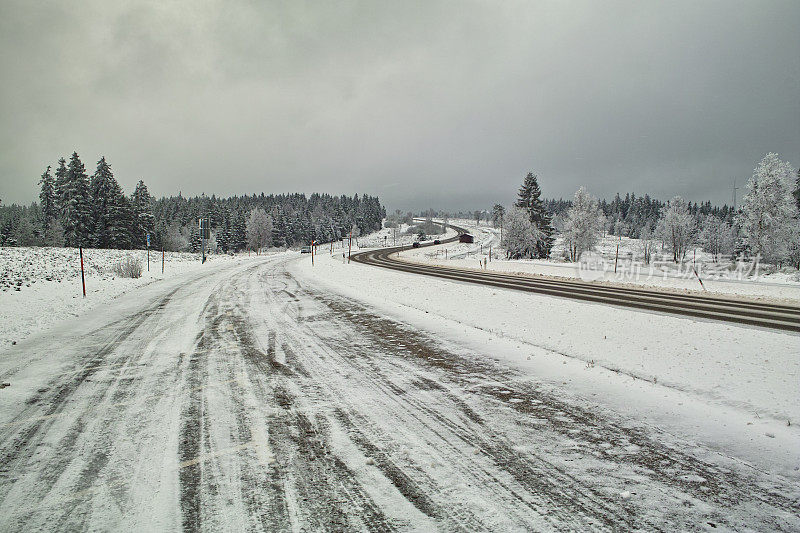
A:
(735, 387)
(42, 286)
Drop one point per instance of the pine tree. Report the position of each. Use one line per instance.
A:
(121, 216)
(77, 204)
(61, 187)
(47, 200)
(111, 211)
(103, 188)
(529, 199)
(142, 212)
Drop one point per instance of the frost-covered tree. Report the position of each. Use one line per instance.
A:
(521, 238)
(678, 228)
(768, 209)
(259, 230)
(529, 199)
(717, 236)
(647, 244)
(583, 224)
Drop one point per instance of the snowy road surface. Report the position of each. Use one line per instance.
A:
(241, 400)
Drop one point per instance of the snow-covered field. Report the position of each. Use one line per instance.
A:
(716, 278)
(42, 286)
(735, 387)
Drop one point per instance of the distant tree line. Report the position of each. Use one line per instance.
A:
(76, 209)
(765, 225)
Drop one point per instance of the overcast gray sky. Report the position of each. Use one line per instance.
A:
(427, 104)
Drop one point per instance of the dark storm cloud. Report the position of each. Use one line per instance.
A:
(441, 104)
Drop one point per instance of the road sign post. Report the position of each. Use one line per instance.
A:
(148, 252)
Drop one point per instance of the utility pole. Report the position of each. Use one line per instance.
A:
(349, 246)
(735, 188)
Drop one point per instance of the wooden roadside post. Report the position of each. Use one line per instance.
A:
(83, 278)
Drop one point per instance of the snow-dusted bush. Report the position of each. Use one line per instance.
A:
(128, 267)
(768, 209)
(520, 236)
(583, 224)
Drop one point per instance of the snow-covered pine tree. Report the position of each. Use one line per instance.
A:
(103, 191)
(583, 224)
(77, 207)
(498, 211)
(768, 209)
(122, 220)
(47, 200)
(239, 232)
(60, 186)
(529, 199)
(142, 213)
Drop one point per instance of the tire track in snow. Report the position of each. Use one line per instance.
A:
(721, 487)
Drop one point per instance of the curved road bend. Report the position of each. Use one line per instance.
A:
(749, 312)
(242, 399)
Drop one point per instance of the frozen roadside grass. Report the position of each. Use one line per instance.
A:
(128, 267)
(40, 287)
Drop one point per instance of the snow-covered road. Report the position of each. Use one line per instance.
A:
(241, 398)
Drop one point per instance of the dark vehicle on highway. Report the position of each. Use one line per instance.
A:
(416, 244)
(466, 237)
(437, 241)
